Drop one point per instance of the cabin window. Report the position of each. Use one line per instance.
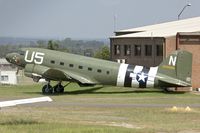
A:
(89, 69)
(108, 72)
(80, 67)
(99, 70)
(62, 63)
(52, 62)
(71, 65)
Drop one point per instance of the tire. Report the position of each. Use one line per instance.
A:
(169, 89)
(58, 89)
(47, 89)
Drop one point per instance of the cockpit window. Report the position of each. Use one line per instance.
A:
(22, 53)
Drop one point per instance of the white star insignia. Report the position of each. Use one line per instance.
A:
(142, 77)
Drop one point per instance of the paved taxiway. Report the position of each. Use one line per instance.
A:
(110, 105)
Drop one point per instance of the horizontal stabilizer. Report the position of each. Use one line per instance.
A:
(24, 101)
(172, 81)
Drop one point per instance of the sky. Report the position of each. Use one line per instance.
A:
(86, 19)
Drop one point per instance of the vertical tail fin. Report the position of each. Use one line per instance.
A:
(176, 69)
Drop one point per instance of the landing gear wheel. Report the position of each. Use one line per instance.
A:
(58, 88)
(47, 89)
(169, 89)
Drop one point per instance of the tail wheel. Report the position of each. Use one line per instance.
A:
(169, 89)
(47, 89)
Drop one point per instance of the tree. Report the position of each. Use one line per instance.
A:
(103, 53)
(42, 43)
(52, 45)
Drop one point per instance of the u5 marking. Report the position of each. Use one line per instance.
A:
(36, 57)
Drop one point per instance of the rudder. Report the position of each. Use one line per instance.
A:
(177, 65)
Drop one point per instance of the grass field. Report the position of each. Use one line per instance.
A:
(100, 110)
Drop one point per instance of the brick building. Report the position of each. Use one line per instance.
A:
(148, 45)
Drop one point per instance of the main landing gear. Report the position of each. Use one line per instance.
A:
(48, 89)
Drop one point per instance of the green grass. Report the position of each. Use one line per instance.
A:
(98, 110)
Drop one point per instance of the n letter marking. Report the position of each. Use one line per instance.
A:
(172, 61)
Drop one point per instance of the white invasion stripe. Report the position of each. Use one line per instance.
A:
(138, 69)
(121, 74)
(24, 101)
(150, 84)
(151, 76)
(134, 82)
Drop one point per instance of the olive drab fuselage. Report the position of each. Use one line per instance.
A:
(54, 65)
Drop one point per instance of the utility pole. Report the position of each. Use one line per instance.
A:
(115, 22)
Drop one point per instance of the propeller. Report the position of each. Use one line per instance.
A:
(17, 70)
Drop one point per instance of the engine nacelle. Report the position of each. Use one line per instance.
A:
(35, 71)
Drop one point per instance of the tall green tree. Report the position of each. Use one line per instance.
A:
(52, 45)
(103, 53)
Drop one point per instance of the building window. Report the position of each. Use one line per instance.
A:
(127, 49)
(189, 39)
(99, 70)
(71, 65)
(117, 49)
(121, 61)
(137, 50)
(89, 69)
(4, 78)
(80, 67)
(52, 62)
(148, 50)
(159, 50)
(62, 63)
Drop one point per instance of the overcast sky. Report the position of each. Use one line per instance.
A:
(86, 18)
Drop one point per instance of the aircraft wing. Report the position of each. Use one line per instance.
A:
(59, 74)
(24, 101)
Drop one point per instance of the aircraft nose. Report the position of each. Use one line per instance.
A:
(8, 57)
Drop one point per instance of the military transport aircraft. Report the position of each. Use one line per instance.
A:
(174, 71)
